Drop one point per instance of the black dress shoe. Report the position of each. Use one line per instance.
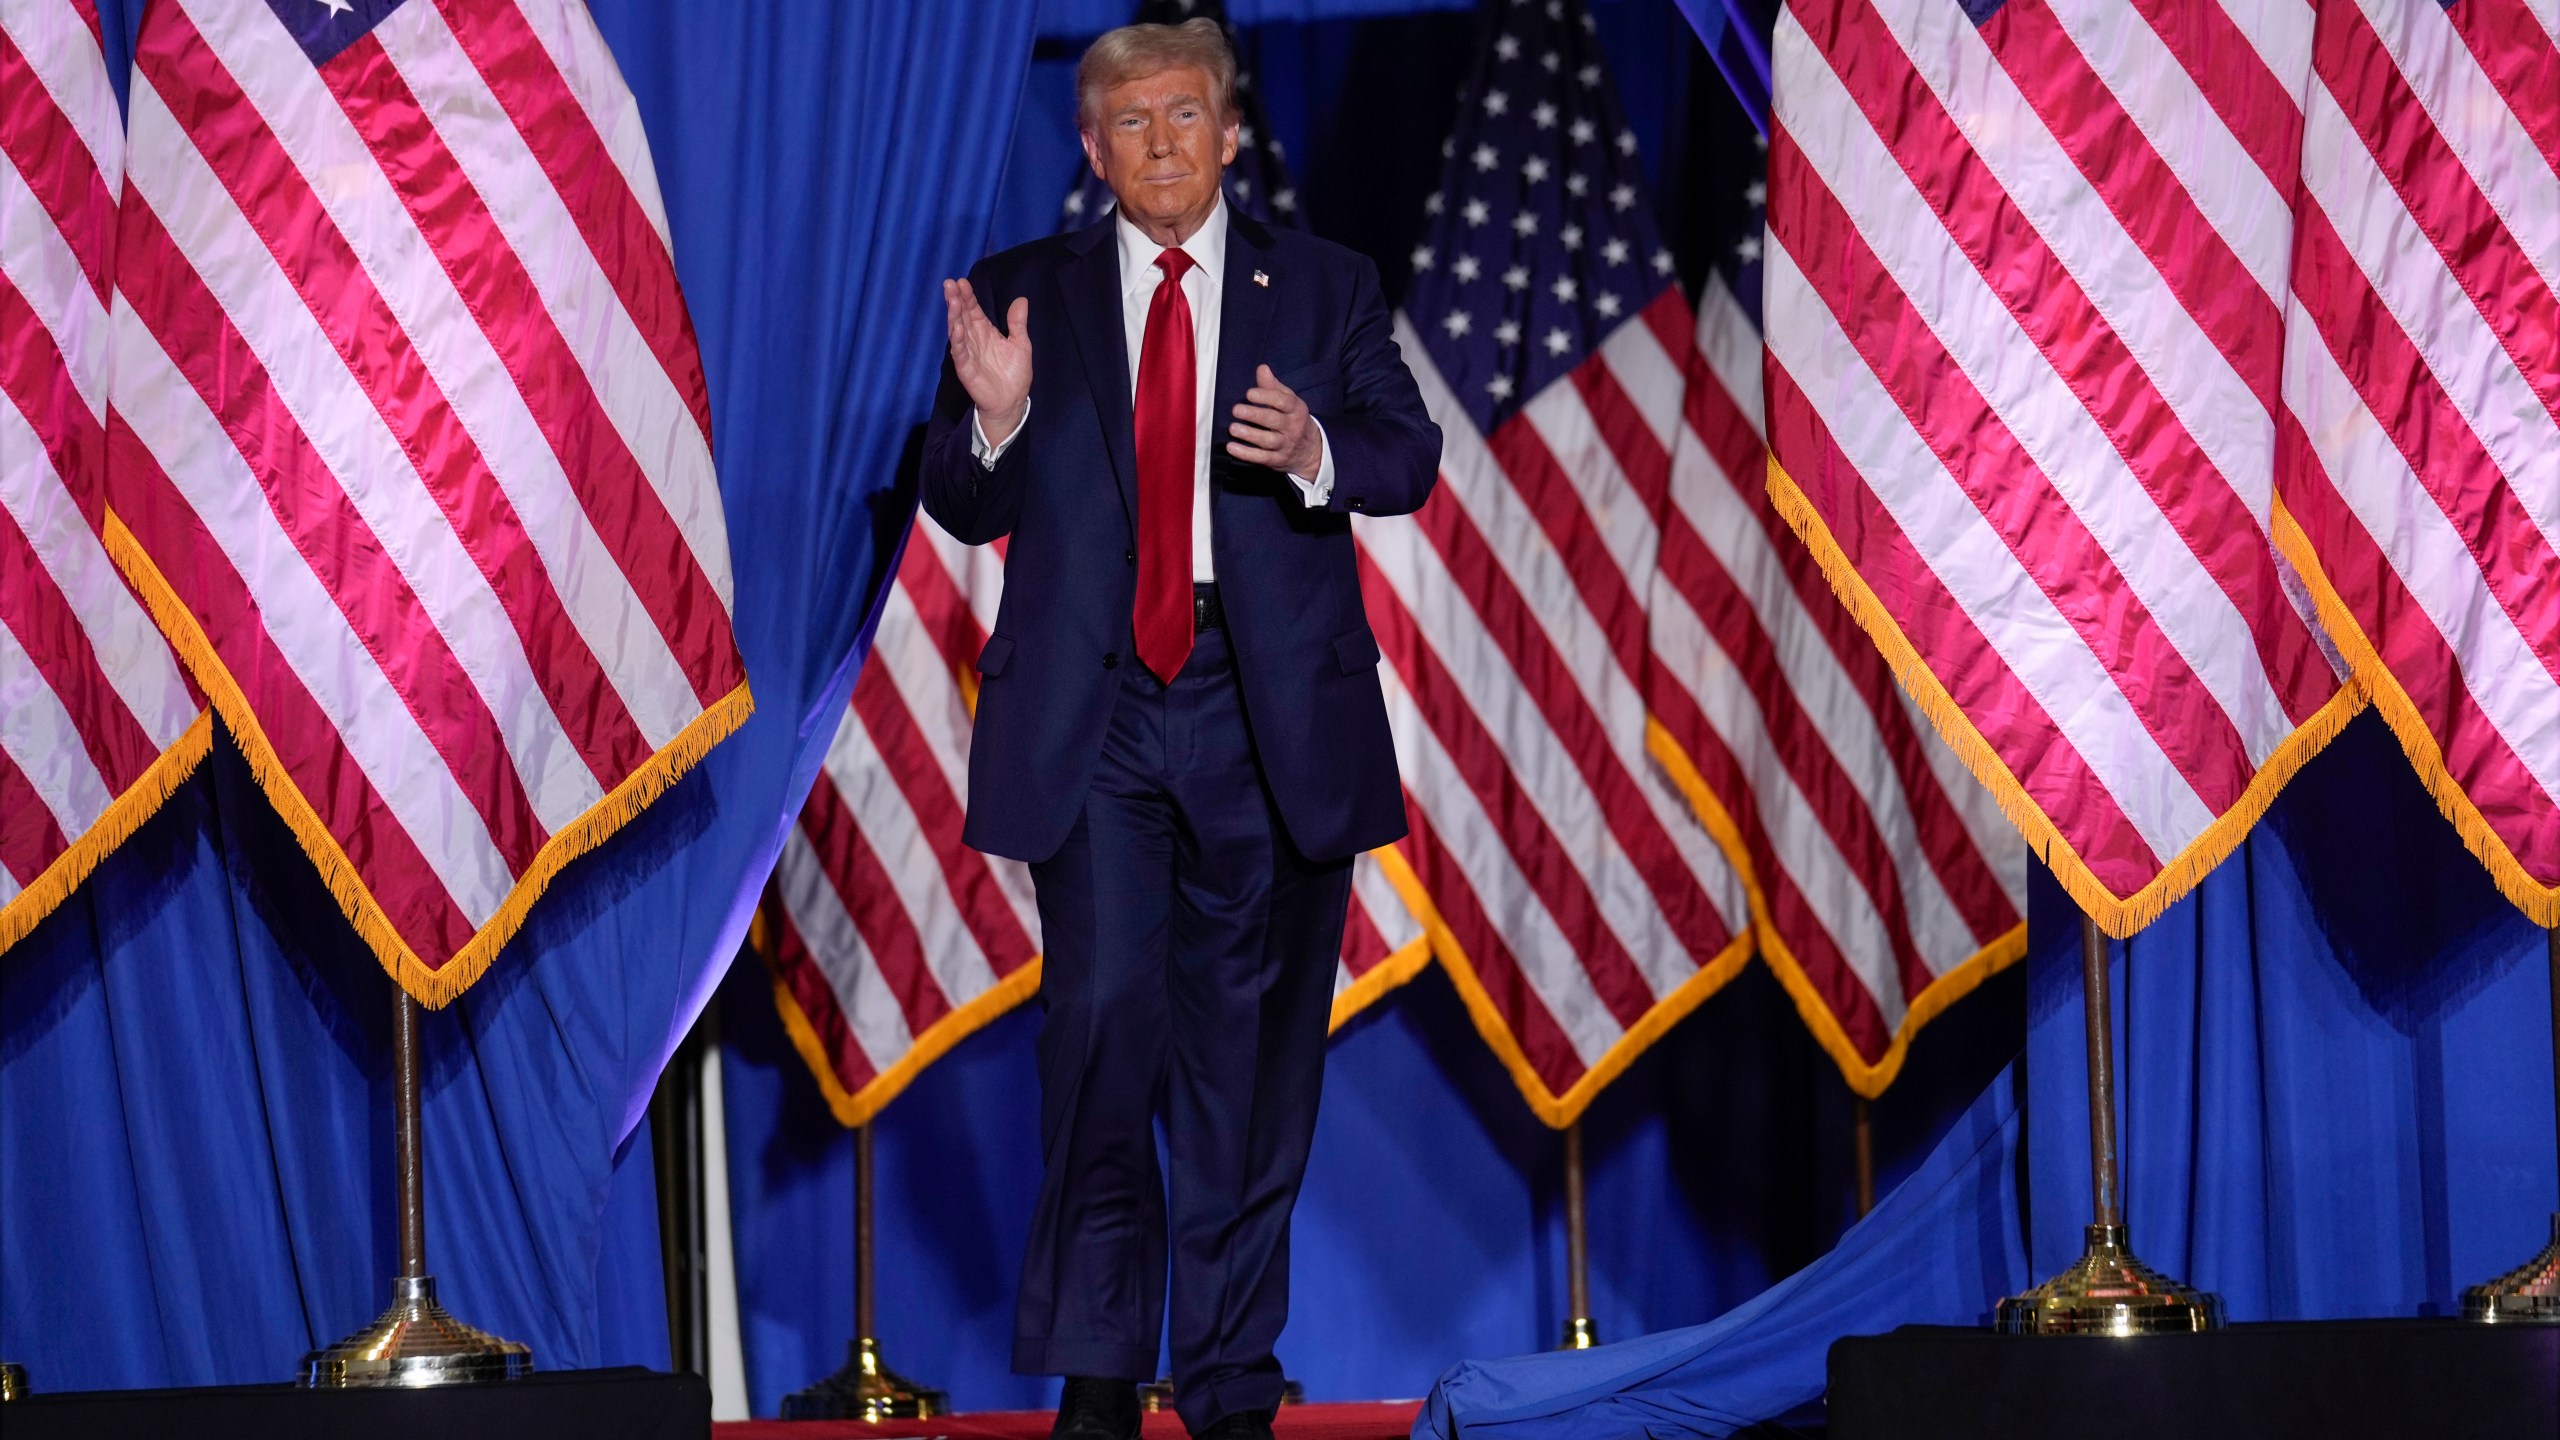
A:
(1242, 1425)
(1091, 1409)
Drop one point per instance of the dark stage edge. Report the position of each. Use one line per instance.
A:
(624, 1404)
(1376, 1420)
(2333, 1380)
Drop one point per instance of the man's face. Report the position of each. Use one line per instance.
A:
(1161, 145)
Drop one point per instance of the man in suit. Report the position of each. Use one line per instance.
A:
(1179, 722)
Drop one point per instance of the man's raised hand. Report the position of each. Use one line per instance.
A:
(994, 365)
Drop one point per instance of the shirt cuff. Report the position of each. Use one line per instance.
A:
(1320, 489)
(988, 454)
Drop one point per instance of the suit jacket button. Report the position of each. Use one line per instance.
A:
(1355, 503)
(1129, 556)
(1111, 660)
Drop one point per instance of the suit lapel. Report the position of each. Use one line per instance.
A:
(1091, 286)
(1244, 318)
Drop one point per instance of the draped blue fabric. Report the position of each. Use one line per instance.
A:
(195, 1174)
(2334, 1059)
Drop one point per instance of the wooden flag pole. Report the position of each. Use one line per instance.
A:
(1862, 1137)
(2530, 1293)
(1579, 1333)
(865, 1388)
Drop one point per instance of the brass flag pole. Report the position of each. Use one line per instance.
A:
(2530, 1293)
(416, 1342)
(866, 1388)
(1579, 1332)
(2106, 1291)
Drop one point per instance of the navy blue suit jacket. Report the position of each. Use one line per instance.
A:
(1066, 491)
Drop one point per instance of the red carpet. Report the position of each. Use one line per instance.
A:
(1375, 1420)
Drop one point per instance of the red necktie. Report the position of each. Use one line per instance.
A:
(1168, 398)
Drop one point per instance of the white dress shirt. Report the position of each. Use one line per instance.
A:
(1204, 287)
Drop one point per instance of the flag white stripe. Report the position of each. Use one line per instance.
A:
(368, 461)
(1565, 426)
(2016, 618)
(636, 393)
(64, 56)
(2164, 102)
(1374, 893)
(973, 569)
(2280, 31)
(2499, 668)
(375, 726)
(870, 1009)
(595, 594)
(951, 952)
(1994, 838)
(119, 632)
(40, 264)
(44, 741)
(1731, 344)
(1801, 845)
(1653, 379)
(2477, 124)
(1547, 961)
(568, 35)
(2187, 606)
(924, 685)
(2410, 278)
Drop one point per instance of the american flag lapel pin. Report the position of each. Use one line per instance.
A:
(1262, 279)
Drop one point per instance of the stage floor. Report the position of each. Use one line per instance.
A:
(1375, 1420)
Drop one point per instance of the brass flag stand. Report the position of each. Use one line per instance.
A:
(1579, 1332)
(2530, 1293)
(2106, 1291)
(415, 1343)
(866, 1388)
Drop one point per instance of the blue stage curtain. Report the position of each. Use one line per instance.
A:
(195, 1173)
(2334, 1059)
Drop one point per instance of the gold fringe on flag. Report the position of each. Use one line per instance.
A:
(140, 801)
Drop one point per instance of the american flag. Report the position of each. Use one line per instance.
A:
(890, 941)
(2024, 289)
(96, 721)
(2419, 470)
(410, 447)
(1574, 897)
(1885, 883)
(1257, 183)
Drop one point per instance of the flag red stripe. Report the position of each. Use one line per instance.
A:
(29, 838)
(939, 817)
(1984, 458)
(1816, 950)
(1549, 684)
(1638, 451)
(2515, 305)
(2145, 197)
(519, 72)
(37, 612)
(1543, 1043)
(263, 181)
(2407, 401)
(1945, 843)
(943, 610)
(1667, 316)
(296, 728)
(56, 164)
(619, 500)
(2415, 652)
(2256, 107)
(2033, 748)
(809, 987)
(1363, 948)
(1549, 494)
(88, 11)
(1837, 806)
(1543, 861)
(37, 380)
(2093, 361)
(2517, 55)
(327, 532)
(863, 884)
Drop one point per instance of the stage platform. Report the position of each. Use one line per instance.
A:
(620, 1404)
(1377, 1420)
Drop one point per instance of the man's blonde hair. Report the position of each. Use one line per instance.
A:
(1134, 52)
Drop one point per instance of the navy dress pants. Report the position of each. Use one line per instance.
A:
(1189, 963)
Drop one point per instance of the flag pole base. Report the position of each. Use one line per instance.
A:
(13, 1382)
(2109, 1292)
(1580, 1334)
(414, 1344)
(865, 1389)
(1156, 1396)
(2527, 1295)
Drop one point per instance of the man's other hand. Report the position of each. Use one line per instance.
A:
(1272, 427)
(994, 365)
